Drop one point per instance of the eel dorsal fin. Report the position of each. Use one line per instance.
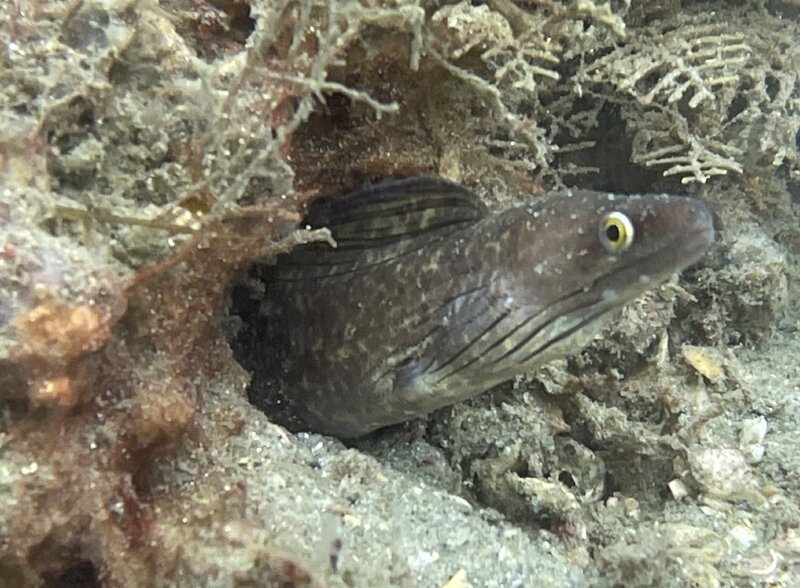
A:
(380, 223)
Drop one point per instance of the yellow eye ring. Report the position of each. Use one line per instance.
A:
(616, 232)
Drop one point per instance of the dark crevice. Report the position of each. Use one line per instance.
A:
(611, 156)
(566, 478)
(258, 339)
(80, 574)
(224, 29)
(737, 106)
(772, 87)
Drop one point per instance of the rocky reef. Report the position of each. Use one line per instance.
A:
(150, 152)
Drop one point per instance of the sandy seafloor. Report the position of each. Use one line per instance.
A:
(667, 454)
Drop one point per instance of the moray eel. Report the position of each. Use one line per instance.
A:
(430, 299)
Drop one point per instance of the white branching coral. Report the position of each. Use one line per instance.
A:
(708, 98)
(319, 34)
(514, 56)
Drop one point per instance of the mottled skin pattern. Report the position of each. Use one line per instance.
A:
(454, 316)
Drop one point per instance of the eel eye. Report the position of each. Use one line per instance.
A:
(616, 232)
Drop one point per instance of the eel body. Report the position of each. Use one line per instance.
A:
(430, 299)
